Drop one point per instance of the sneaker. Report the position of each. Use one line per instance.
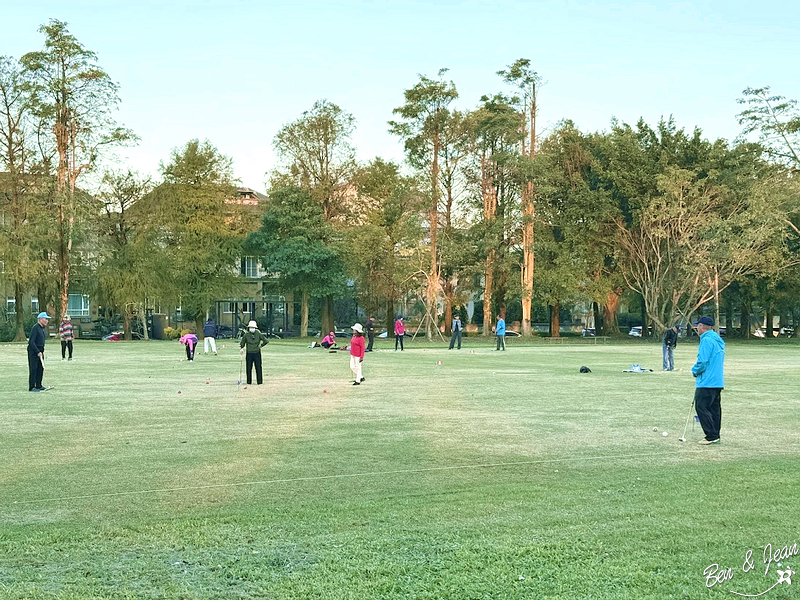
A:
(363, 379)
(707, 442)
(356, 383)
(34, 390)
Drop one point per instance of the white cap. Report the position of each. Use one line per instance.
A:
(252, 324)
(357, 327)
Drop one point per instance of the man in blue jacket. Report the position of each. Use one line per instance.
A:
(709, 380)
(500, 332)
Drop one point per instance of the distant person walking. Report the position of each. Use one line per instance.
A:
(709, 380)
(370, 333)
(399, 333)
(500, 332)
(66, 333)
(456, 328)
(357, 353)
(253, 340)
(36, 353)
(210, 331)
(668, 345)
(190, 341)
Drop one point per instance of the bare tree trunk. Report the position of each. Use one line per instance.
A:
(555, 320)
(610, 310)
(449, 299)
(526, 272)
(19, 317)
(488, 276)
(489, 193)
(304, 314)
(390, 316)
(433, 275)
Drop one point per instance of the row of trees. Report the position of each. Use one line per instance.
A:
(485, 206)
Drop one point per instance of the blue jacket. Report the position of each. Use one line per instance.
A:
(500, 328)
(709, 368)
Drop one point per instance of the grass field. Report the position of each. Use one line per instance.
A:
(492, 475)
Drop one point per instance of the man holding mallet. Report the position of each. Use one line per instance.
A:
(709, 380)
(36, 353)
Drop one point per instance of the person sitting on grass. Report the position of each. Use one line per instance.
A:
(329, 341)
(190, 341)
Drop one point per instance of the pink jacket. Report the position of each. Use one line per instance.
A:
(190, 339)
(399, 327)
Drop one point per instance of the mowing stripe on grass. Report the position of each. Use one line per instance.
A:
(354, 475)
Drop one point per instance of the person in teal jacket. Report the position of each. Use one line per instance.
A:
(709, 373)
(500, 332)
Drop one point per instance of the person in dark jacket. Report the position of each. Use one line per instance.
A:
(668, 348)
(370, 327)
(254, 340)
(210, 336)
(456, 328)
(36, 353)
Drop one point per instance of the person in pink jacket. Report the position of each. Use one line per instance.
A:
(357, 347)
(399, 332)
(190, 341)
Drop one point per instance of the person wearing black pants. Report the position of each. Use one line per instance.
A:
(399, 332)
(456, 328)
(36, 353)
(709, 380)
(370, 327)
(254, 340)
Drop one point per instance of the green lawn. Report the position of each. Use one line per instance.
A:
(492, 475)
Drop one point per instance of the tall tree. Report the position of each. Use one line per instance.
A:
(132, 269)
(498, 128)
(423, 119)
(776, 120)
(318, 157)
(201, 225)
(24, 258)
(294, 243)
(76, 98)
(528, 82)
(379, 246)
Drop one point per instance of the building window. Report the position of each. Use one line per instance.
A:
(11, 306)
(35, 306)
(78, 305)
(250, 267)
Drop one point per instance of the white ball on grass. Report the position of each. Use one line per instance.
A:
(664, 433)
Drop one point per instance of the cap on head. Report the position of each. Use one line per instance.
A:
(43, 315)
(357, 327)
(705, 321)
(252, 324)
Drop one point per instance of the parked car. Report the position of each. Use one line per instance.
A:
(225, 331)
(588, 332)
(119, 336)
(635, 331)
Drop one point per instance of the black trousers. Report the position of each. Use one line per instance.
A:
(455, 339)
(709, 410)
(398, 339)
(66, 344)
(371, 336)
(35, 371)
(190, 351)
(254, 360)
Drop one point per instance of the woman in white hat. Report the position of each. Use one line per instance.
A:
(254, 340)
(357, 347)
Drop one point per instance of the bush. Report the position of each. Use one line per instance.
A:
(6, 332)
(171, 333)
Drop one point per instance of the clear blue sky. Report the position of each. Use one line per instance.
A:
(235, 71)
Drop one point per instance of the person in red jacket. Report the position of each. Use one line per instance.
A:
(357, 347)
